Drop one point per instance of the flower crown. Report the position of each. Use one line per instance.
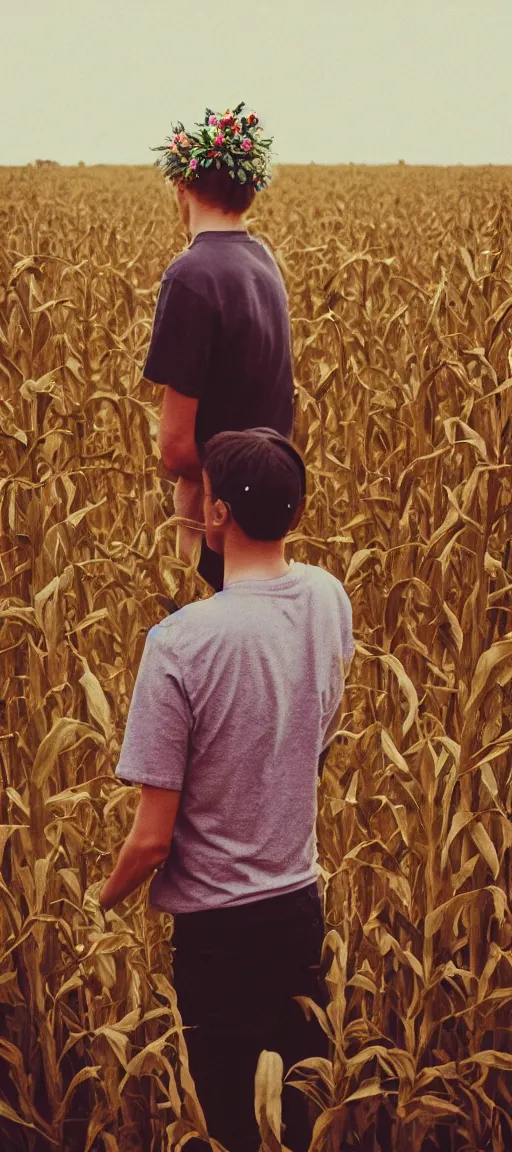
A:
(231, 139)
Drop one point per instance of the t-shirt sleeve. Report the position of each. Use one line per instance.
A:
(347, 635)
(343, 667)
(160, 721)
(181, 340)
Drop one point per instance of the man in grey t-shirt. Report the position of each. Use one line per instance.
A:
(236, 700)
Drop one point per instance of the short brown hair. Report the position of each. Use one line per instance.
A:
(215, 187)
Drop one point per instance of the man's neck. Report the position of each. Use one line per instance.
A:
(212, 221)
(262, 562)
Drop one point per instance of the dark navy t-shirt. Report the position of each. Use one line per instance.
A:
(221, 333)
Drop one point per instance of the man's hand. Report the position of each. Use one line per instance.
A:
(188, 499)
(188, 502)
(166, 473)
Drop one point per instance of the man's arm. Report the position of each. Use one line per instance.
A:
(146, 847)
(321, 760)
(176, 436)
(154, 753)
(179, 357)
(335, 719)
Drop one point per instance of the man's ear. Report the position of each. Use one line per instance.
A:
(298, 516)
(221, 514)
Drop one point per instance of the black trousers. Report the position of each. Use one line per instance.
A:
(235, 973)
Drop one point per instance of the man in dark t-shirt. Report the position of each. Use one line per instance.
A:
(221, 334)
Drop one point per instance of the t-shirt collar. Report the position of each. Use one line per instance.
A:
(271, 582)
(217, 235)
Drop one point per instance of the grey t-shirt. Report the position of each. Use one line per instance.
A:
(235, 699)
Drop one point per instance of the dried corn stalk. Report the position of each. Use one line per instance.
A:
(400, 285)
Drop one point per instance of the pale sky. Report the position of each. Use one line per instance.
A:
(369, 81)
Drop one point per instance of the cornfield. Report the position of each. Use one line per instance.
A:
(400, 289)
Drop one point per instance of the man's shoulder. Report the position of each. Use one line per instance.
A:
(322, 576)
(195, 265)
(328, 582)
(265, 249)
(189, 271)
(193, 620)
(183, 267)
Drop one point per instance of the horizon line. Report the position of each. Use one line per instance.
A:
(282, 164)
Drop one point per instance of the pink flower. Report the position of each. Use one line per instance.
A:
(193, 163)
(213, 120)
(246, 145)
(219, 139)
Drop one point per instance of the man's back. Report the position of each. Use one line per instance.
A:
(222, 334)
(238, 695)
